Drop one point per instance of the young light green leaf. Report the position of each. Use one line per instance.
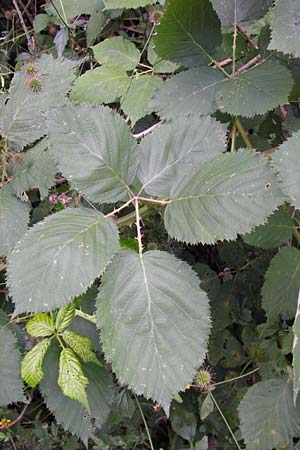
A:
(135, 323)
(286, 162)
(282, 284)
(275, 422)
(31, 368)
(101, 85)
(173, 149)
(70, 413)
(41, 325)
(64, 317)
(10, 380)
(189, 32)
(296, 351)
(243, 10)
(36, 169)
(228, 195)
(285, 27)
(23, 118)
(71, 378)
(117, 51)
(256, 91)
(14, 218)
(136, 101)
(81, 345)
(278, 230)
(99, 155)
(159, 64)
(190, 92)
(59, 259)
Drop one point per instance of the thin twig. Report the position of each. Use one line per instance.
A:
(11, 424)
(138, 227)
(248, 64)
(247, 37)
(243, 134)
(145, 423)
(147, 131)
(30, 42)
(234, 40)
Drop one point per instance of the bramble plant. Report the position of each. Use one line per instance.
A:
(149, 222)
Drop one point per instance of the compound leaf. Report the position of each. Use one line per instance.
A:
(36, 169)
(286, 162)
(59, 258)
(246, 10)
(94, 150)
(31, 368)
(138, 324)
(269, 418)
(171, 150)
(189, 32)
(10, 380)
(277, 231)
(190, 92)
(228, 195)
(136, 102)
(256, 91)
(70, 413)
(101, 85)
(64, 317)
(285, 27)
(41, 325)
(117, 51)
(71, 378)
(282, 283)
(14, 218)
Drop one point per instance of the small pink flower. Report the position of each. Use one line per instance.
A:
(154, 15)
(64, 199)
(53, 199)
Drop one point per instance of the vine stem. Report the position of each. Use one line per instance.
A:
(236, 378)
(145, 423)
(117, 210)
(224, 419)
(138, 226)
(11, 424)
(243, 133)
(83, 315)
(5, 155)
(233, 137)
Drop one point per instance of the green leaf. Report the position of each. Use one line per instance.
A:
(159, 64)
(281, 286)
(296, 351)
(117, 51)
(23, 118)
(228, 195)
(184, 422)
(246, 10)
(94, 26)
(190, 92)
(59, 259)
(275, 421)
(285, 27)
(101, 85)
(10, 380)
(116, 4)
(64, 317)
(286, 162)
(70, 413)
(41, 325)
(31, 368)
(68, 9)
(71, 378)
(189, 32)
(136, 102)
(36, 169)
(99, 155)
(81, 345)
(135, 323)
(14, 218)
(207, 407)
(278, 230)
(256, 91)
(171, 150)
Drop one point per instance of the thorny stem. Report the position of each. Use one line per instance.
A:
(5, 155)
(30, 41)
(234, 41)
(224, 419)
(138, 226)
(152, 200)
(247, 37)
(83, 315)
(145, 423)
(233, 137)
(149, 130)
(248, 64)
(243, 133)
